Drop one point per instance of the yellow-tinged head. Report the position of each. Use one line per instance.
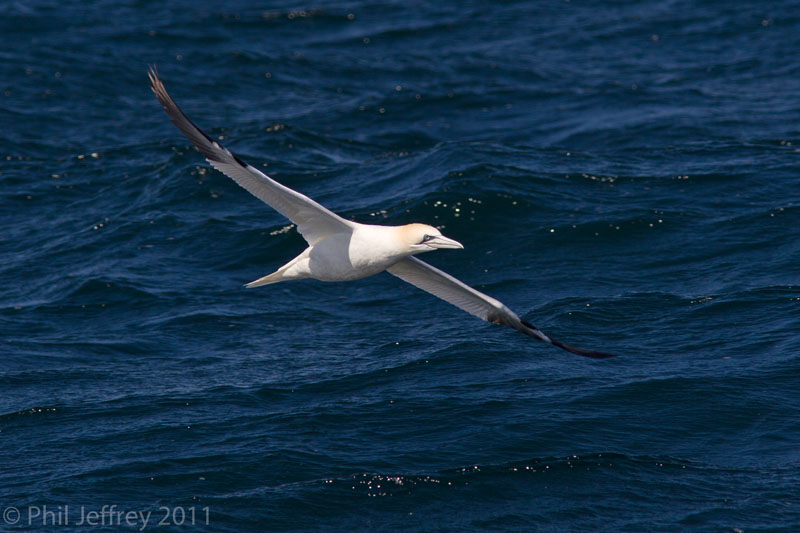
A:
(423, 238)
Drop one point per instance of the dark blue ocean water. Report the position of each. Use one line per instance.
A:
(625, 175)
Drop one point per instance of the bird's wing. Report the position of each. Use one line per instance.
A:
(313, 221)
(449, 289)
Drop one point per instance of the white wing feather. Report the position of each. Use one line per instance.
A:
(441, 284)
(449, 289)
(313, 221)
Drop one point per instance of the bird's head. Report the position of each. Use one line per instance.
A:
(422, 238)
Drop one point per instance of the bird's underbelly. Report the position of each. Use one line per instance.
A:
(338, 260)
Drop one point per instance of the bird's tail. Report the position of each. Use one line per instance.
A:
(297, 268)
(275, 277)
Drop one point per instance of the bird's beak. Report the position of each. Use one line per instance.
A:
(440, 241)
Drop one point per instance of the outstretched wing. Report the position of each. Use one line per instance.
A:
(449, 289)
(313, 221)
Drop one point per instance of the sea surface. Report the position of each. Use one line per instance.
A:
(624, 175)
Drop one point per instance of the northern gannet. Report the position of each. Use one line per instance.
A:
(342, 250)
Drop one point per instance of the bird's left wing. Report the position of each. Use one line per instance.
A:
(313, 221)
(449, 289)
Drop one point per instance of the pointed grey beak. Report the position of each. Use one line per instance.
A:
(440, 241)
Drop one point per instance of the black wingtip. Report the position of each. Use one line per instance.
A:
(537, 333)
(155, 81)
(594, 354)
(211, 149)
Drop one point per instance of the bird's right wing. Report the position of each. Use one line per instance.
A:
(449, 289)
(313, 221)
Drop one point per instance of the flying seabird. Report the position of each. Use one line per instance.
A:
(342, 250)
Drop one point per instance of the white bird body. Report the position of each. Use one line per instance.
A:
(346, 256)
(342, 250)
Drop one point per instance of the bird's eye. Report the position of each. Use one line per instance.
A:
(426, 238)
